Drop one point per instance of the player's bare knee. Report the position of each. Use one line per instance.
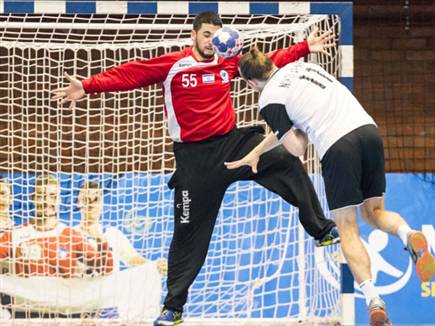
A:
(345, 218)
(371, 206)
(348, 228)
(371, 212)
(369, 216)
(348, 234)
(342, 224)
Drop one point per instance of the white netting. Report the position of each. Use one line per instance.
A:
(261, 264)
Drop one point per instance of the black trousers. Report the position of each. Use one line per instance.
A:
(200, 182)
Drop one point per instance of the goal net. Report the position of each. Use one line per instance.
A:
(110, 156)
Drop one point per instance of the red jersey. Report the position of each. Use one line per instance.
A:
(196, 93)
(55, 252)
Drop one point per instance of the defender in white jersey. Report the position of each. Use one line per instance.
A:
(302, 102)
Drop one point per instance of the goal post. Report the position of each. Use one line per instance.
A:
(261, 264)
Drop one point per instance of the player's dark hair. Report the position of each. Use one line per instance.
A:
(206, 17)
(255, 65)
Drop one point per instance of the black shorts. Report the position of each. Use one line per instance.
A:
(353, 168)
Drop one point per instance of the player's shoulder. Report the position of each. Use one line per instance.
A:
(229, 63)
(23, 231)
(272, 94)
(112, 232)
(25, 227)
(177, 55)
(69, 231)
(279, 86)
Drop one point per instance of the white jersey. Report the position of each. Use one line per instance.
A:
(135, 292)
(122, 250)
(315, 102)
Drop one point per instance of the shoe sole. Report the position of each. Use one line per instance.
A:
(425, 264)
(328, 243)
(379, 317)
(169, 323)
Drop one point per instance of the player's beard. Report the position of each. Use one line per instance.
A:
(202, 54)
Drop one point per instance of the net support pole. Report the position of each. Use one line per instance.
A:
(347, 295)
(301, 275)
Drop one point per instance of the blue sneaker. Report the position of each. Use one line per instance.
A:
(169, 318)
(329, 238)
(108, 313)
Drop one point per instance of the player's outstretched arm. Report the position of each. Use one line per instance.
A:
(253, 157)
(321, 43)
(73, 92)
(313, 44)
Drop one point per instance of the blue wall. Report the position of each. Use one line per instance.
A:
(130, 195)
